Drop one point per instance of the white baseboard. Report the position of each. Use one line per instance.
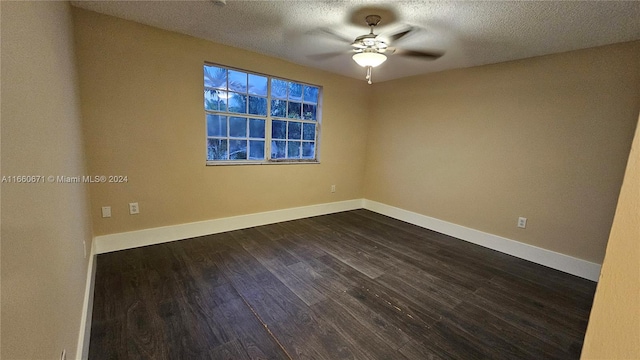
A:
(82, 351)
(565, 263)
(133, 239)
(558, 261)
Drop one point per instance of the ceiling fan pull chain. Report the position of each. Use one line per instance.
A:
(368, 77)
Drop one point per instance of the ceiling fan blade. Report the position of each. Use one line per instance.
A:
(400, 34)
(326, 56)
(328, 33)
(427, 55)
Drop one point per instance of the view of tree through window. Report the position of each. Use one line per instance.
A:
(258, 118)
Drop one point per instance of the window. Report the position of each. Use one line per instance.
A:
(254, 118)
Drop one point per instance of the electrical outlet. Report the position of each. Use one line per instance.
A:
(106, 211)
(134, 208)
(522, 222)
(333, 188)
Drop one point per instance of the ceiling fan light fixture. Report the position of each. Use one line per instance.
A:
(367, 58)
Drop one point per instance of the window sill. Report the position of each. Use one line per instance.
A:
(272, 162)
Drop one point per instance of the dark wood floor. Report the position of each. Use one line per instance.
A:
(352, 285)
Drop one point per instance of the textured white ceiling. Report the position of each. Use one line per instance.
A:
(469, 33)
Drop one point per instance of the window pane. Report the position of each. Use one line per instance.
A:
(256, 128)
(256, 150)
(257, 85)
(237, 149)
(278, 89)
(238, 127)
(293, 150)
(295, 129)
(216, 125)
(311, 94)
(293, 111)
(215, 100)
(241, 107)
(238, 81)
(308, 150)
(278, 108)
(216, 149)
(309, 132)
(295, 91)
(278, 149)
(215, 77)
(309, 112)
(279, 129)
(237, 103)
(257, 105)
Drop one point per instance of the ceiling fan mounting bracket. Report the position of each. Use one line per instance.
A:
(373, 20)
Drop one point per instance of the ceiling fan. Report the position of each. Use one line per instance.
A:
(370, 49)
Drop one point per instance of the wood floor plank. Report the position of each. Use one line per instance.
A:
(414, 250)
(108, 295)
(108, 339)
(494, 327)
(178, 321)
(517, 267)
(363, 342)
(449, 341)
(288, 317)
(350, 285)
(142, 326)
(328, 283)
(314, 279)
(373, 231)
(250, 332)
(418, 351)
(554, 319)
(420, 292)
(231, 350)
(532, 323)
(301, 247)
(432, 237)
(253, 239)
(392, 305)
(559, 298)
(432, 287)
(346, 249)
(305, 291)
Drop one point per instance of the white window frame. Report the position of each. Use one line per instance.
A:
(268, 124)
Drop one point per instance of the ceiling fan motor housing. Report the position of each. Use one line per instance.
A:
(370, 41)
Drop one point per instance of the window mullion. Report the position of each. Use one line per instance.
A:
(228, 137)
(267, 125)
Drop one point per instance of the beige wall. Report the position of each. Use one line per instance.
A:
(614, 325)
(546, 138)
(43, 225)
(143, 117)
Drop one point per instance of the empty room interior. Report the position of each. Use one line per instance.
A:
(320, 180)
